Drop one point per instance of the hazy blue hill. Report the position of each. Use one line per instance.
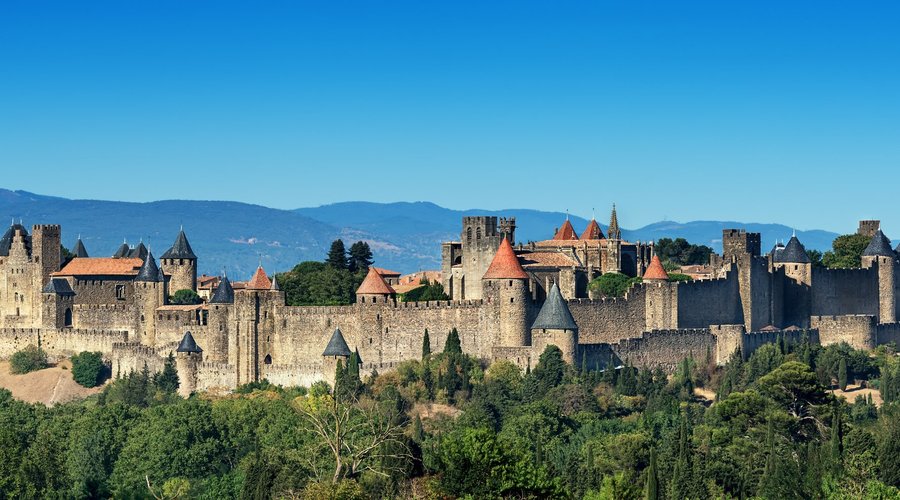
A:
(404, 236)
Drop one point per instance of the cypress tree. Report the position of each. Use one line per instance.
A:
(339, 384)
(426, 346)
(652, 478)
(769, 482)
(842, 374)
(682, 474)
(428, 379)
(836, 440)
(418, 430)
(453, 345)
(886, 388)
(167, 379)
(337, 255)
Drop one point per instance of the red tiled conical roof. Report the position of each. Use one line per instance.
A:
(655, 271)
(505, 264)
(592, 232)
(566, 232)
(259, 281)
(374, 284)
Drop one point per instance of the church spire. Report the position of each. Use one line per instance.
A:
(613, 232)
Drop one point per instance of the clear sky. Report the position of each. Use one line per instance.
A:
(753, 111)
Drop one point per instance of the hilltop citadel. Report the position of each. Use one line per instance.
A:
(508, 302)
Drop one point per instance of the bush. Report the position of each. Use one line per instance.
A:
(28, 360)
(613, 284)
(87, 368)
(185, 297)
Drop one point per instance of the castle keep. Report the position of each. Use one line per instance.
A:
(510, 301)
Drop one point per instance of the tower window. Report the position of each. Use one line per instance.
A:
(120, 292)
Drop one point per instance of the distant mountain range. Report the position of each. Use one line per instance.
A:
(404, 236)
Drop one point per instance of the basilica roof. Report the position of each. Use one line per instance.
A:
(566, 232)
(592, 231)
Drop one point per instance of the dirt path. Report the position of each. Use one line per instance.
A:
(49, 386)
(855, 390)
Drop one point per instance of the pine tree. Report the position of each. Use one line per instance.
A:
(360, 257)
(652, 492)
(842, 374)
(418, 430)
(337, 255)
(426, 346)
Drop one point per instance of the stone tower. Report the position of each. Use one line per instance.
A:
(58, 300)
(660, 297)
(613, 244)
(507, 283)
(220, 321)
(480, 240)
(188, 357)
(336, 350)
(374, 290)
(555, 325)
(868, 228)
(508, 229)
(149, 294)
(880, 254)
(795, 262)
(180, 263)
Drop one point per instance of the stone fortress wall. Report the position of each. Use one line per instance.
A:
(253, 335)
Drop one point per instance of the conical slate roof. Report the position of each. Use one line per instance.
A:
(374, 284)
(122, 251)
(793, 252)
(555, 314)
(776, 250)
(592, 232)
(275, 285)
(566, 232)
(181, 249)
(149, 270)
(505, 264)
(224, 293)
(188, 344)
(138, 252)
(259, 281)
(655, 271)
(9, 235)
(79, 250)
(880, 246)
(337, 346)
(58, 286)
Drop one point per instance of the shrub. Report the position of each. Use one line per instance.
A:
(87, 368)
(185, 297)
(28, 360)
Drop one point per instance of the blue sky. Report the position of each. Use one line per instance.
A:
(772, 112)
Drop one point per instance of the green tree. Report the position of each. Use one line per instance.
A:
(426, 346)
(185, 297)
(453, 344)
(846, 251)
(360, 257)
(842, 374)
(652, 492)
(837, 450)
(613, 284)
(167, 379)
(29, 359)
(88, 368)
(547, 374)
(337, 255)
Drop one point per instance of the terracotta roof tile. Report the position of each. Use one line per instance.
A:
(101, 266)
(546, 259)
(655, 271)
(505, 264)
(374, 284)
(259, 281)
(386, 272)
(566, 232)
(592, 232)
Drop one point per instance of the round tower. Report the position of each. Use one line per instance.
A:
(555, 326)
(58, 302)
(336, 350)
(507, 283)
(188, 356)
(180, 263)
(149, 294)
(374, 290)
(794, 260)
(219, 321)
(880, 254)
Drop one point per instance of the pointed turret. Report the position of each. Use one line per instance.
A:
(7, 240)
(79, 250)
(122, 251)
(275, 285)
(879, 246)
(188, 344)
(793, 253)
(138, 252)
(259, 281)
(592, 232)
(149, 270)
(505, 264)
(566, 232)
(58, 286)
(555, 314)
(337, 346)
(181, 249)
(224, 293)
(656, 271)
(374, 289)
(614, 233)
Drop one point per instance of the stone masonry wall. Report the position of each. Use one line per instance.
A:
(857, 330)
(838, 292)
(609, 320)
